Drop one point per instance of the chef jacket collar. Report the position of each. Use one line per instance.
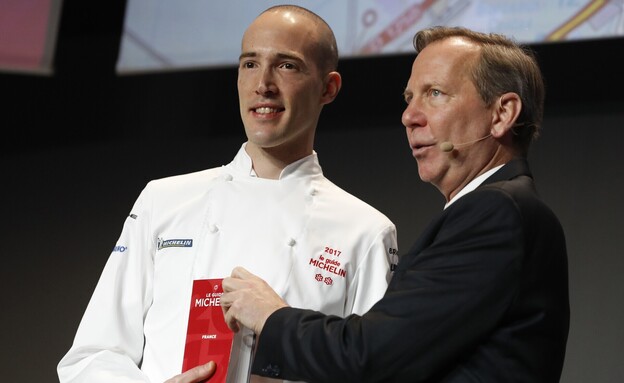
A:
(304, 167)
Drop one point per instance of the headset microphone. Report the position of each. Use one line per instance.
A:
(447, 146)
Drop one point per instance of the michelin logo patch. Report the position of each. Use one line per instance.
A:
(165, 243)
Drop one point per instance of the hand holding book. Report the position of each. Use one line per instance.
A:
(209, 338)
(248, 300)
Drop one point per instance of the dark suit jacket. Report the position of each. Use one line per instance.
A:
(482, 296)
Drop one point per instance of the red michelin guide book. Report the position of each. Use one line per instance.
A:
(209, 338)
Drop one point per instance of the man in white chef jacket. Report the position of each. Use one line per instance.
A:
(270, 210)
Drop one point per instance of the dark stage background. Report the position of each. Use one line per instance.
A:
(78, 147)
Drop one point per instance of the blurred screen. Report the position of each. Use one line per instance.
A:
(166, 35)
(28, 30)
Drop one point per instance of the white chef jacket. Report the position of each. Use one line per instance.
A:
(316, 245)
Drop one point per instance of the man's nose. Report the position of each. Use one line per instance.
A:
(412, 116)
(266, 83)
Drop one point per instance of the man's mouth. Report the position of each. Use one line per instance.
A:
(420, 146)
(267, 110)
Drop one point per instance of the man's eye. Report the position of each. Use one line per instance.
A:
(288, 66)
(435, 93)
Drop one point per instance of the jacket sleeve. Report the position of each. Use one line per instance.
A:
(446, 294)
(373, 272)
(109, 340)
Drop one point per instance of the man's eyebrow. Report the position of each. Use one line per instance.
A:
(289, 56)
(280, 56)
(246, 55)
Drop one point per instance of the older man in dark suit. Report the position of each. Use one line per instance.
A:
(482, 296)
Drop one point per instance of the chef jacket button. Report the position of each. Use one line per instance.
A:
(213, 228)
(227, 177)
(313, 191)
(292, 242)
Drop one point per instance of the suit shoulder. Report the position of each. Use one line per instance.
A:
(519, 194)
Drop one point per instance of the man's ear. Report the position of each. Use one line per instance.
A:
(505, 113)
(333, 83)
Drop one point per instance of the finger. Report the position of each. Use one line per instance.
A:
(199, 373)
(205, 371)
(232, 323)
(241, 273)
(228, 315)
(196, 374)
(228, 284)
(235, 281)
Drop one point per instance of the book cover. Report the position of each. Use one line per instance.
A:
(209, 338)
